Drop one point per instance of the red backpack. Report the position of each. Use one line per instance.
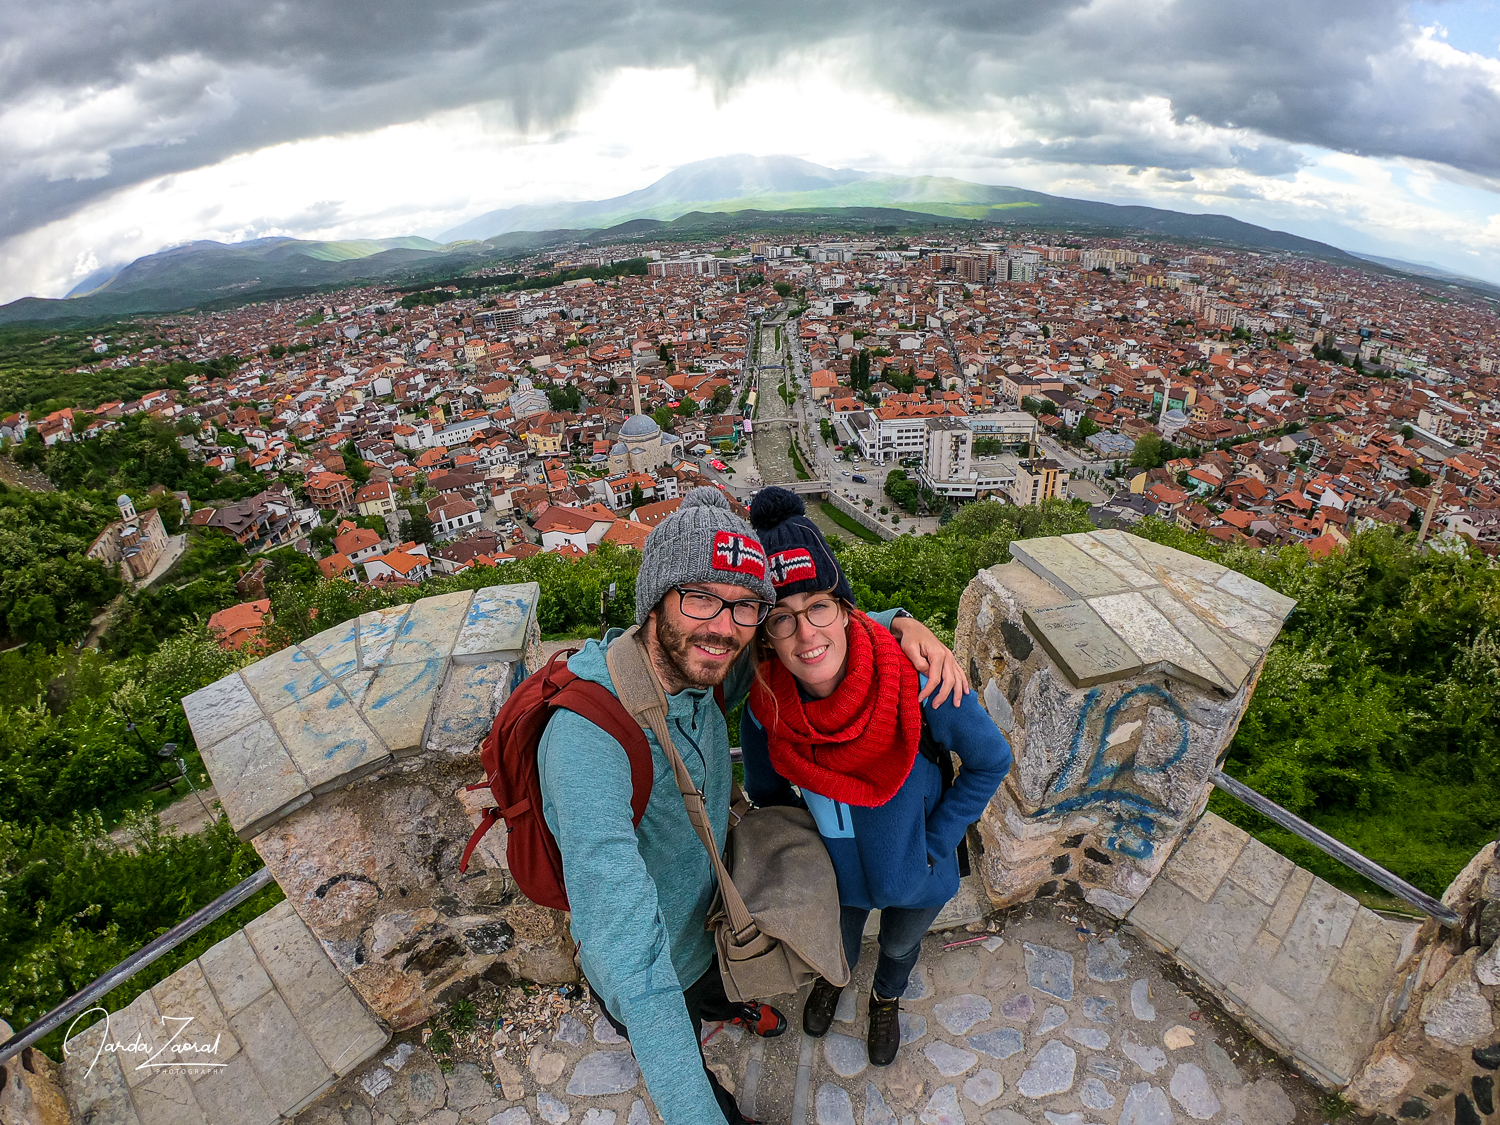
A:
(509, 759)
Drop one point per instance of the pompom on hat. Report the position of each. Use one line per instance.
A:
(798, 558)
(702, 541)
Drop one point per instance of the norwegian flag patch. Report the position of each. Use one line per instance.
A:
(739, 553)
(792, 565)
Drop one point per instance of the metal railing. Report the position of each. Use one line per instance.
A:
(1328, 845)
(81, 1001)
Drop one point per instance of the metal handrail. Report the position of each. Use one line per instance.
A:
(80, 1001)
(1341, 852)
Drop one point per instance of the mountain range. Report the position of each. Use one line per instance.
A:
(782, 196)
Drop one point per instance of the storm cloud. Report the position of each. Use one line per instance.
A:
(98, 95)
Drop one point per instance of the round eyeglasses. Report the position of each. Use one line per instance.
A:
(783, 622)
(703, 606)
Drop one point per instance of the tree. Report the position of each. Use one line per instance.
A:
(354, 465)
(637, 497)
(565, 398)
(722, 397)
(1418, 477)
(1087, 427)
(664, 417)
(783, 289)
(1148, 452)
(687, 407)
(419, 528)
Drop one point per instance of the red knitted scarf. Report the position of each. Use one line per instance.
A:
(858, 745)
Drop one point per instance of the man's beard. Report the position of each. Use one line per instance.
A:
(676, 650)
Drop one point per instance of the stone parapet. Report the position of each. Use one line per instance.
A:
(345, 759)
(250, 1033)
(1119, 670)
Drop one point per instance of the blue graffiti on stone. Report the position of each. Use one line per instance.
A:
(1136, 815)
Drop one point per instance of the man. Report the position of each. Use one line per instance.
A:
(640, 895)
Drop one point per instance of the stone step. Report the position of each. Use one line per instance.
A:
(1305, 966)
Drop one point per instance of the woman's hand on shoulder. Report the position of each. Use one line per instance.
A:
(933, 659)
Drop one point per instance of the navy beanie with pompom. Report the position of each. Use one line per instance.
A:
(798, 559)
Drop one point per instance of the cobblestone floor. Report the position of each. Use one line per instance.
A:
(1052, 1020)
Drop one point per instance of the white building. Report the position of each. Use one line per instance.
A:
(950, 469)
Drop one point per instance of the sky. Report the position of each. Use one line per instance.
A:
(128, 126)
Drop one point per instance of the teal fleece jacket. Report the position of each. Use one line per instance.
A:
(640, 895)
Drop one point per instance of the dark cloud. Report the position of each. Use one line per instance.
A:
(100, 94)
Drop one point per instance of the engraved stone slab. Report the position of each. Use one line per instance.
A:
(336, 650)
(1084, 646)
(1073, 571)
(284, 678)
(327, 739)
(496, 622)
(430, 629)
(254, 776)
(218, 710)
(1142, 625)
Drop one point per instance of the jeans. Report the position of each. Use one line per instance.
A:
(901, 931)
(706, 1000)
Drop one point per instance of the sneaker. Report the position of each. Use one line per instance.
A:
(885, 1030)
(817, 1013)
(761, 1019)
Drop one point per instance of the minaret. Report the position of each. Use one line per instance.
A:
(635, 382)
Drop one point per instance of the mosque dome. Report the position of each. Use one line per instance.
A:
(640, 426)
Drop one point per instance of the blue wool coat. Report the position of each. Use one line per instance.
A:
(904, 852)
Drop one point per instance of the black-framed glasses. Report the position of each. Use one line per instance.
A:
(703, 606)
(782, 623)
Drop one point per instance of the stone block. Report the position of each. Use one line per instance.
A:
(234, 973)
(328, 740)
(429, 631)
(1261, 871)
(284, 678)
(377, 633)
(234, 1095)
(288, 1066)
(399, 702)
(139, 1022)
(1141, 624)
(255, 778)
(1077, 573)
(335, 650)
(1203, 636)
(1366, 963)
(470, 699)
(496, 623)
(1311, 944)
(294, 959)
(218, 710)
(1289, 901)
(1164, 914)
(95, 1086)
(1222, 932)
(1203, 860)
(1084, 647)
(186, 994)
(1338, 1033)
(343, 1031)
(166, 1097)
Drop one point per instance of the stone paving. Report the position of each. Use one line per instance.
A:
(1054, 1020)
(1310, 971)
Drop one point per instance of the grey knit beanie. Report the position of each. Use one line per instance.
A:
(702, 541)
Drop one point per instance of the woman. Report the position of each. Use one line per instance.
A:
(834, 711)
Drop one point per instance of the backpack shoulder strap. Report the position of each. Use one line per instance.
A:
(597, 704)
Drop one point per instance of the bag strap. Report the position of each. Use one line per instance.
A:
(640, 691)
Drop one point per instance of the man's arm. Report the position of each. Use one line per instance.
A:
(586, 787)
